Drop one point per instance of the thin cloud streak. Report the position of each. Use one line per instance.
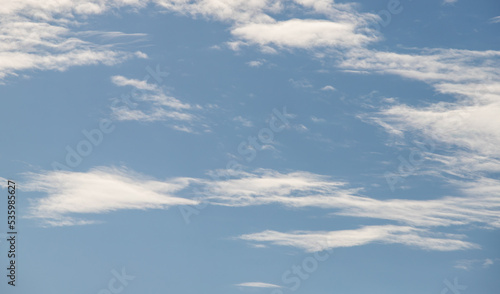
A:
(318, 241)
(150, 103)
(302, 189)
(257, 285)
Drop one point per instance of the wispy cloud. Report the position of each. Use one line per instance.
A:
(68, 193)
(429, 65)
(418, 221)
(317, 119)
(257, 285)
(243, 121)
(495, 19)
(470, 264)
(302, 83)
(465, 127)
(302, 189)
(268, 186)
(141, 85)
(318, 241)
(253, 22)
(255, 63)
(56, 44)
(41, 36)
(3, 183)
(150, 103)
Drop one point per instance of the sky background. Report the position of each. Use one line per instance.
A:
(229, 146)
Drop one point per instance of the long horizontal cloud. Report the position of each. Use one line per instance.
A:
(257, 285)
(429, 65)
(318, 241)
(480, 203)
(265, 186)
(68, 197)
(302, 33)
(118, 189)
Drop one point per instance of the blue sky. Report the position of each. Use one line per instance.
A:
(264, 146)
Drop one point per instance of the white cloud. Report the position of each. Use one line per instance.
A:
(260, 11)
(39, 35)
(151, 93)
(42, 35)
(244, 122)
(258, 246)
(141, 85)
(238, 11)
(268, 186)
(49, 10)
(100, 190)
(3, 183)
(302, 33)
(184, 128)
(487, 262)
(111, 35)
(321, 240)
(253, 22)
(149, 103)
(255, 63)
(448, 211)
(300, 128)
(450, 1)
(328, 88)
(317, 119)
(471, 264)
(429, 65)
(140, 54)
(343, 12)
(125, 114)
(481, 205)
(465, 128)
(118, 188)
(258, 285)
(495, 19)
(465, 125)
(303, 83)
